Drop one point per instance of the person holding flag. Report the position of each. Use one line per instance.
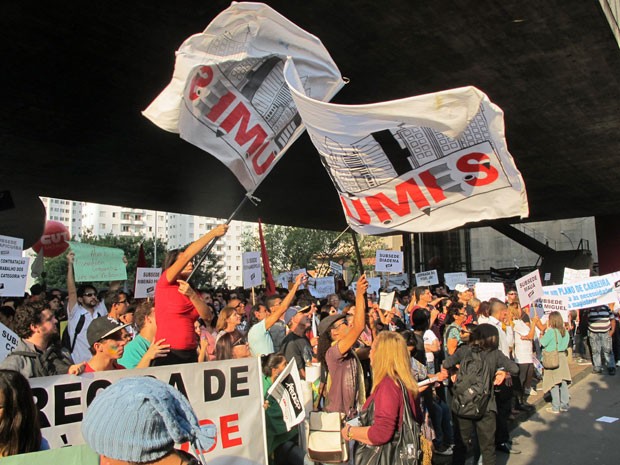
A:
(178, 304)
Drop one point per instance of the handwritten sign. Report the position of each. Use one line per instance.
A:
(95, 263)
(573, 276)
(487, 291)
(452, 279)
(389, 261)
(252, 274)
(471, 282)
(529, 288)
(11, 246)
(13, 275)
(146, 278)
(426, 278)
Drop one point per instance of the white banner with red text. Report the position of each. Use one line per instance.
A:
(227, 394)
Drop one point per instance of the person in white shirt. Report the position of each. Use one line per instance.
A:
(523, 352)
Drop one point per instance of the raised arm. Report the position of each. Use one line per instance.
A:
(71, 288)
(192, 250)
(279, 310)
(359, 319)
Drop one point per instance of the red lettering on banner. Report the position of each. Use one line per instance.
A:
(201, 79)
(430, 182)
(241, 116)
(405, 190)
(260, 168)
(364, 217)
(223, 103)
(226, 429)
(55, 238)
(465, 165)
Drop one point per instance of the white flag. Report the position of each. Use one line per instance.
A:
(287, 391)
(228, 95)
(397, 165)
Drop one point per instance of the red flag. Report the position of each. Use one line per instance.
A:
(141, 258)
(269, 284)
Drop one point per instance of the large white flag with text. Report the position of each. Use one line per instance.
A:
(228, 95)
(426, 163)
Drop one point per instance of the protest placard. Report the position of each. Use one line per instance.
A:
(591, 292)
(11, 246)
(95, 263)
(225, 393)
(146, 279)
(547, 304)
(529, 288)
(452, 279)
(398, 281)
(8, 341)
(487, 291)
(386, 300)
(322, 287)
(252, 274)
(471, 282)
(287, 392)
(573, 276)
(374, 284)
(426, 278)
(13, 275)
(389, 261)
(336, 268)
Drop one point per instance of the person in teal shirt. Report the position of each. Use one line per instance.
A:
(141, 351)
(556, 380)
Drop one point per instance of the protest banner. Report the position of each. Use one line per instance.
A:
(529, 288)
(228, 97)
(421, 164)
(386, 300)
(287, 392)
(389, 261)
(95, 263)
(8, 341)
(322, 287)
(426, 278)
(452, 279)
(591, 292)
(471, 282)
(336, 268)
(146, 279)
(252, 274)
(487, 291)
(226, 393)
(374, 284)
(11, 246)
(13, 275)
(75, 455)
(573, 276)
(545, 305)
(398, 281)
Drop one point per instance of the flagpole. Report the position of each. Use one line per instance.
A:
(246, 197)
(361, 265)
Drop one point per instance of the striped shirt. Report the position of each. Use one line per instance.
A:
(599, 319)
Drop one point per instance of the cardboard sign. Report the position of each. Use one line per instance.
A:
(287, 391)
(94, 263)
(336, 268)
(486, 291)
(390, 261)
(13, 275)
(546, 304)
(252, 274)
(322, 287)
(426, 278)
(529, 288)
(11, 246)
(452, 279)
(386, 301)
(226, 393)
(574, 276)
(8, 341)
(146, 279)
(398, 281)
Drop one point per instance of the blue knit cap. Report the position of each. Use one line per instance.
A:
(140, 419)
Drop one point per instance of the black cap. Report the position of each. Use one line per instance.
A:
(101, 327)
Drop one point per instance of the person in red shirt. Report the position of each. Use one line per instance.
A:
(107, 340)
(178, 305)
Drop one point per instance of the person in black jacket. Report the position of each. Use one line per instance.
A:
(484, 341)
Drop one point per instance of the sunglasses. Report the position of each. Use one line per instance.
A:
(89, 294)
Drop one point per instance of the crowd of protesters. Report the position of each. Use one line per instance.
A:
(357, 345)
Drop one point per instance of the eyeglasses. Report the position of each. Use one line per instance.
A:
(343, 323)
(89, 294)
(512, 293)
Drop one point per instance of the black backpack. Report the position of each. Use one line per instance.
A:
(65, 340)
(473, 387)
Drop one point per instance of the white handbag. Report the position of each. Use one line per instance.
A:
(325, 443)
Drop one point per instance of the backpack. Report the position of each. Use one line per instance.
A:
(65, 340)
(473, 387)
(54, 361)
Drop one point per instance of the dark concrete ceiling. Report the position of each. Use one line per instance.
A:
(77, 74)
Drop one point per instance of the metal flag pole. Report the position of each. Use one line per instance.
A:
(246, 197)
(361, 265)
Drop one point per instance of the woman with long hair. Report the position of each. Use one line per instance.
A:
(483, 345)
(178, 304)
(230, 346)
(556, 380)
(227, 322)
(19, 418)
(391, 369)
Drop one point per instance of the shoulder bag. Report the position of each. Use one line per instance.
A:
(551, 358)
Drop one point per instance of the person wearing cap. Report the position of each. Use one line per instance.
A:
(295, 345)
(107, 341)
(344, 385)
(155, 417)
(263, 319)
(464, 294)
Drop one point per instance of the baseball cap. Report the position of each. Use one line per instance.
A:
(292, 311)
(100, 328)
(461, 288)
